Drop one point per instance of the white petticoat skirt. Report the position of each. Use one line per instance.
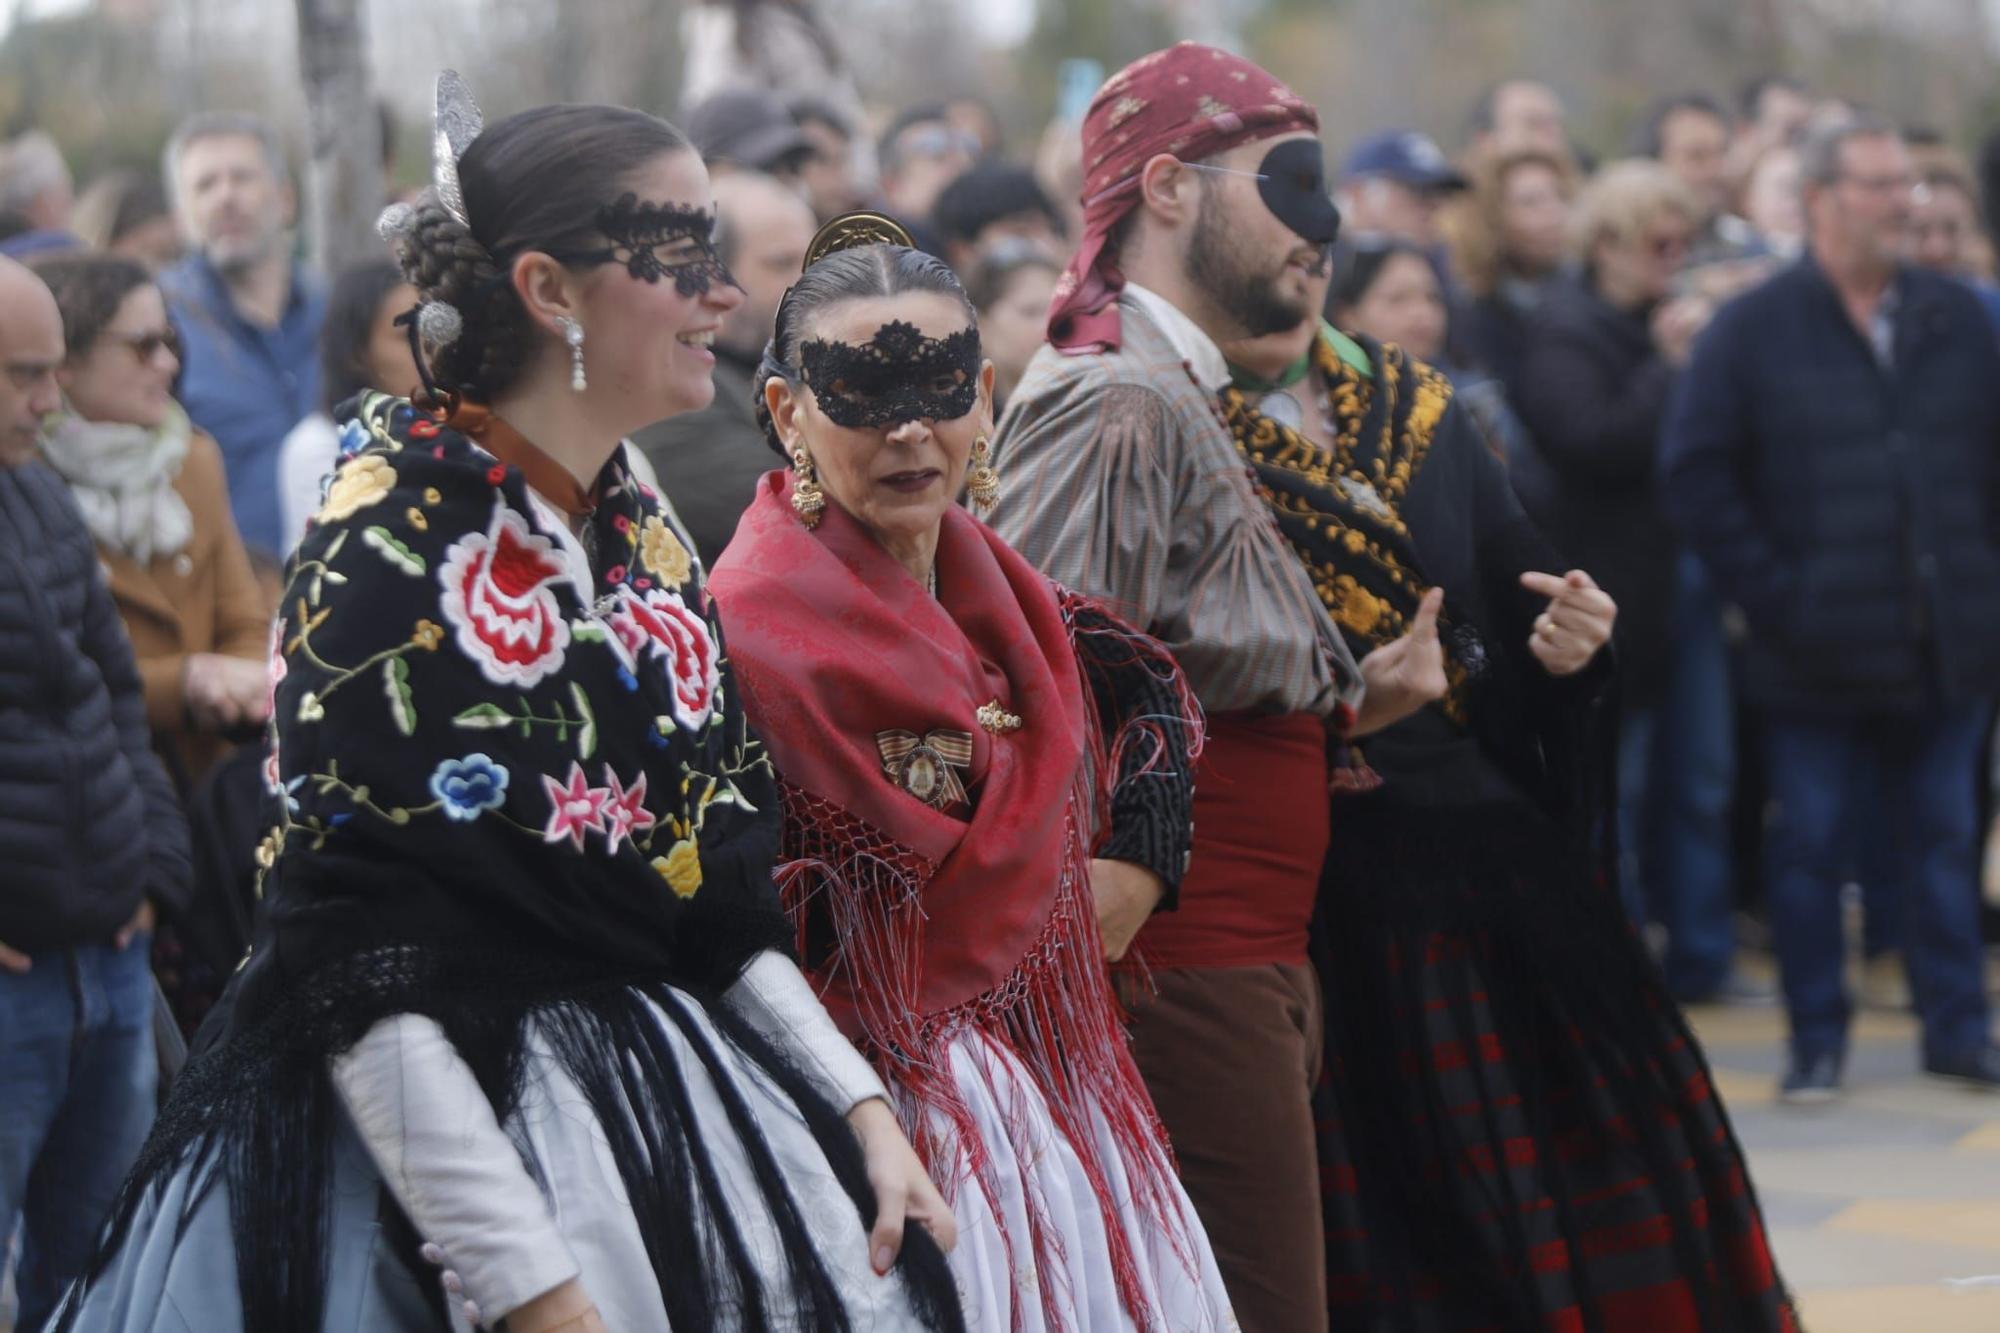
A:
(163, 1282)
(1182, 1288)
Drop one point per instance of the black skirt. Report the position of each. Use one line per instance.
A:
(1517, 1128)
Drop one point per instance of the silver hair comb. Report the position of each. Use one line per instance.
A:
(457, 124)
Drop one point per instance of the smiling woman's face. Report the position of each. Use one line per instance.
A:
(896, 479)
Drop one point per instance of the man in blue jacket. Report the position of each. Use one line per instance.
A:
(1833, 455)
(247, 313)
(90, 840)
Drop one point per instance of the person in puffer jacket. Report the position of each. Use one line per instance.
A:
(92, 843)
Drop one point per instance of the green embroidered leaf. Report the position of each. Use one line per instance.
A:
(402, 703)
(397, 554)
(583, 631)
(586, 739)
(333, 547)
(483, 717)
(730, 796)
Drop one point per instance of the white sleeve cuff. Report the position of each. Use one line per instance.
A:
(774, 997)
(434, 1137)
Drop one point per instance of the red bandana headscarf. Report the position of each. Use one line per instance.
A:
(1190, 100)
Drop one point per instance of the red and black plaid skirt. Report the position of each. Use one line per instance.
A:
(1518, 1132)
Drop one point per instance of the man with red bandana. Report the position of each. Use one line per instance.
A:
(1206, 220)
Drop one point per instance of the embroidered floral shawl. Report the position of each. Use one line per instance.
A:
(466, 753)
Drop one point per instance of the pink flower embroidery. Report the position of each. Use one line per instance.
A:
(497, 601)
(625, 813)
(276, 672)
(578, 807)
(662, 623)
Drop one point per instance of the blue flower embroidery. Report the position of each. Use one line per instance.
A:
(469, 787)
(354, 438)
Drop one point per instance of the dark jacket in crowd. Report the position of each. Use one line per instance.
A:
(1851, 509)
(1592, 391)
(1490, 333)
(88, 821)
(708, 462)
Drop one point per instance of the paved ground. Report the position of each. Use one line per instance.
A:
(1885, 1206)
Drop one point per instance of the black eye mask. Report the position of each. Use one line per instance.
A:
(898, 375)
(638, 231)
(1294, 189)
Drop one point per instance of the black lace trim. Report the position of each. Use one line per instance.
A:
(637, 230)
(898, 375)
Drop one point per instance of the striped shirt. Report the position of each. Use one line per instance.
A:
(1119, 480)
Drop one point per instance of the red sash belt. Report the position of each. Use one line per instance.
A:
(1261, 815)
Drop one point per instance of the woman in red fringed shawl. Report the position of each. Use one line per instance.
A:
(940, 715)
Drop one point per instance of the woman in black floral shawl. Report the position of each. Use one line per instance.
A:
(517, 1006)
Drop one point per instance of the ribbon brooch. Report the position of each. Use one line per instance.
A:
(927, 766)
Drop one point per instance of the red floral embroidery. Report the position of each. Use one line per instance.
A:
(662, 623)
(497, 601)
(577, 807)
(495, 475)
(423, 429)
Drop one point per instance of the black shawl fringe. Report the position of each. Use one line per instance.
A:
(256, 1116)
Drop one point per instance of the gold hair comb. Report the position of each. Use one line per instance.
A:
(851, 231)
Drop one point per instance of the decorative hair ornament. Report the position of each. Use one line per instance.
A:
(456, 124)
(851, 231)
(439, 324)
(396, 223)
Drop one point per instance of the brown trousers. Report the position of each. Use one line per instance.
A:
(1230, 1055)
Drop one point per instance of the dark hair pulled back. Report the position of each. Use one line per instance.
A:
(847, 275)
(534, 181)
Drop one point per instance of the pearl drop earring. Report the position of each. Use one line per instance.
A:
(573, 335)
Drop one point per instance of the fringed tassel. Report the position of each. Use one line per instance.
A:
(1173, 736)
(857, 898)
(257, 1119)
(1055, 1014)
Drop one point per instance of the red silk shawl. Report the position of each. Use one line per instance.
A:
(834, 642)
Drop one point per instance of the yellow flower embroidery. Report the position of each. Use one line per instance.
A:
(267, 850)
(360, 482)
(428, 635)
(681, 867)
(662, 552)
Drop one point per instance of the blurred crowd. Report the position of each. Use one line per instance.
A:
(1672, 399)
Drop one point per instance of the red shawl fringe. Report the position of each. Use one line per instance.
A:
(1054, 1012)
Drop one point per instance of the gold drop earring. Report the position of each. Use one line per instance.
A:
(982, 484)
(807, 498)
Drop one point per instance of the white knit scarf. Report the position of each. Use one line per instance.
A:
(123, 479)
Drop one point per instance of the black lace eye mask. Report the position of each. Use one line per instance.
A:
(640, 232)
(898, 375)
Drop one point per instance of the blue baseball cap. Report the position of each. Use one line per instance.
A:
(1404, 156)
